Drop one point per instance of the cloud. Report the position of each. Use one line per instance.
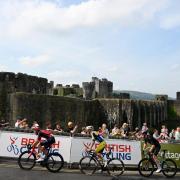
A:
(22, 18)
(175, 67)
(170, 21)
(65, 76)
(35, 61)
(3, 67)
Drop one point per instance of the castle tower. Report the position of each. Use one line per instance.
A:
(178, 95)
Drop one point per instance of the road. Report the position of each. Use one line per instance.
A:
(11, 171)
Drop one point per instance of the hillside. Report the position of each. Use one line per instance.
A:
(138, 95)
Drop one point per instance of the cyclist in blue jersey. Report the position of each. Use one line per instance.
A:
(96, 137)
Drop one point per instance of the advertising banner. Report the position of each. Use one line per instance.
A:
(14, 143)
(173, 152)
(128, 151)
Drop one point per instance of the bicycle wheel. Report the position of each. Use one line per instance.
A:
(54, 162)
(27, 160)
(88, 165)
(115, 167)
(169, 168)
(146, 167)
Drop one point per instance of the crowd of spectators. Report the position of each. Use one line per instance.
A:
(117, 131)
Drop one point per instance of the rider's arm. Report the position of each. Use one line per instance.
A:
(144, 146)
(35, 143)
(152, 147)
(37, 140)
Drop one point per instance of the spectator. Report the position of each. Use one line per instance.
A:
(164, 133)
(156, 135)
(35, 124)
(72, 128)
(105, 132)
(137, 134)
(177, 134)
(83, 131)
(115, 131)
(24, 125)
(172, 134)
(58, 128)
(48, 126)
(3, 123)
(19, 122)
(89, 129)
(125, 130)
(144, 127)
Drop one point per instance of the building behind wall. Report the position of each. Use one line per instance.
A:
(74, 91)
(97, 88)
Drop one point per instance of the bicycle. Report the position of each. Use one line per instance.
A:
(53, 161)
(90, 163)
(147, 165)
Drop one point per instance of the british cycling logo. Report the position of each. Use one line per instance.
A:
(13, 147)
(119, 151)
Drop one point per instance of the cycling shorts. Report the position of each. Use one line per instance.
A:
(48, 142)
(156, 150)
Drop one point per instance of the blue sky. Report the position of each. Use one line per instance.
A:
(134, 43)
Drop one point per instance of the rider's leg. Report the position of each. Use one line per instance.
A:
(100, 149)
(156, 151)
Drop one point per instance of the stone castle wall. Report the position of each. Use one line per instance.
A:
(44, 108)
(26, 96)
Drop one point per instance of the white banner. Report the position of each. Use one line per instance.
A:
(71, 148)
(128, 151)
(14, 143)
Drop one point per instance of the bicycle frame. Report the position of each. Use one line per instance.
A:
(94, 155)
(33, 150)
(150, 157)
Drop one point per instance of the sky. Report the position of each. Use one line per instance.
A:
(133, 43)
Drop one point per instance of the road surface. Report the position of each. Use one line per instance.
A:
(9, 170)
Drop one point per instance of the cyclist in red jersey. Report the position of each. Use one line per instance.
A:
(42, 145)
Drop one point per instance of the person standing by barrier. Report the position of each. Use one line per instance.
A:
(3, 123)
(19, 122)
(104, 131)
(71, 128)
(177, 134)
(58, 127)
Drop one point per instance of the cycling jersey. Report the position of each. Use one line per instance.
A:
(49, 138)
(151, 140)
(44, 134)
(97, 137)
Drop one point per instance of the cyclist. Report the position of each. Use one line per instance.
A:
(42, 145)
(96, 137)
(154, 149)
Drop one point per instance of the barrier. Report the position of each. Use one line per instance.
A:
(72, 148)
(127, 150)
(13, 143)
(173, 152)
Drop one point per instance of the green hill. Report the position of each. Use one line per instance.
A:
(138, 95)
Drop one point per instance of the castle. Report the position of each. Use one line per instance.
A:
(37, 99)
